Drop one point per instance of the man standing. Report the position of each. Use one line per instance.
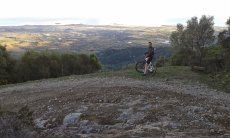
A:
(148, 57)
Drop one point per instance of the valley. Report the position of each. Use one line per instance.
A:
(115, 46)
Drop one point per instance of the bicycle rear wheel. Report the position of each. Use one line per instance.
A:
(140, 66)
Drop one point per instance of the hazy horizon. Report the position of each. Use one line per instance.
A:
(66, 21)
(108, 12)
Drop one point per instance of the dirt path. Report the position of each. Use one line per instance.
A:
(121, 107)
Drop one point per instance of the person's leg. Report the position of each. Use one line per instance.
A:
(146, 67)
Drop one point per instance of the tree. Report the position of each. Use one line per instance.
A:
(228, 23)
(6, 65)
(195, 37)
(176, 37)
(3, 63)
(225, 43)
(224, 37)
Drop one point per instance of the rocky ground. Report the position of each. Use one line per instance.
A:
(92, 106)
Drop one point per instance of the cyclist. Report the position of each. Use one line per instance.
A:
(148, 57)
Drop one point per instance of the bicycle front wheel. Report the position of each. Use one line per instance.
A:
(153, 69)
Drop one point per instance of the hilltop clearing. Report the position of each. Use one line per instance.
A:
(120, 104)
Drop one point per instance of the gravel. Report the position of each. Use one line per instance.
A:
(121, 107)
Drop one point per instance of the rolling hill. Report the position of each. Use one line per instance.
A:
(110, 43)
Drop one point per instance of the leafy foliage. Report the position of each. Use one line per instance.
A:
(224, 41)
(6, 64)
(161, 61)
(228, 23)
(182, 58)
(213, 60)
(34, 65)
(39, 65)
(194, 45)
(192, 40)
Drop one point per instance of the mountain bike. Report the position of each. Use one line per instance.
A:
(140, 67)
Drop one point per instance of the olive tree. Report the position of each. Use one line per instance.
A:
(197, 35)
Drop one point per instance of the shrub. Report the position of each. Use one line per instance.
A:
(161, 61)
(214, 59)
(70, 64)
(181, 58)
(6, 66)
(94, 61)
(55, 65)
(226, 47)
(38, 65)
(35, 65)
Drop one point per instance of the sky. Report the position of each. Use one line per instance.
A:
(127, 12)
